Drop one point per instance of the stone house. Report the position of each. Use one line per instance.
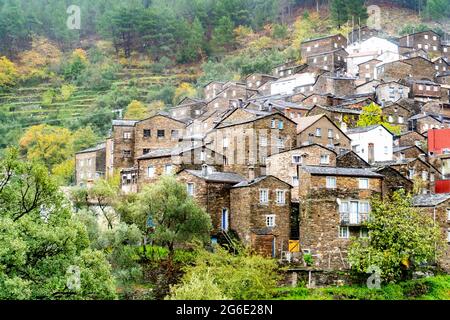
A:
(410, 138)
(246, 140)
(425, 90)
(429, 41)
(211, 191)
(256, 80)
(333, 61)
(367, 87)
(123, 138)
(372, 143)
(408, 53)
(284, 164)
(361, 34)
(437, 206)
(261, 214)
(90, 164)
(338, 86)
(408, 152)
(321, 45)
(422, 68)
(391, 91)
(277, 71)
(212, 88)
(322, 130)
(423, 122)
(396, 115)
(157, 132)
(349, 159)
(334, 205)
(418, 170)
(366, 70)
(188, 109)
(342, 116)
(446, 51)
(109, 157)
(441, 65)
(443, 78)
(393, 71)
(317, 99)
(393, 180)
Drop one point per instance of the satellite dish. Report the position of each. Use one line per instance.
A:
(338, 201)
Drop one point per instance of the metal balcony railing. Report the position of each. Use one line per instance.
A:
(348, 219)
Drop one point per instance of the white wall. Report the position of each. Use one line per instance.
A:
(380, 137)
(287, 85)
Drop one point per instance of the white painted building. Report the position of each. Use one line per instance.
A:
(288, 84)
(373, 143)
(372, 48)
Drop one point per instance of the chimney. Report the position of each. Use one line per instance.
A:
(204, 170)
(251, 173)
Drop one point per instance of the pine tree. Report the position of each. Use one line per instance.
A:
(357, 10)
(339, 12)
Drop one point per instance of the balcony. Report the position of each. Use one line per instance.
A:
(357, 219)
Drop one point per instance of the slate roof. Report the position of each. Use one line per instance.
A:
(160, 153)
(124, 122)
(338, 171)
(246, 183)
(306, 122)
(93, 149)
(430, 200)
(401, 148)
(218, 176)
(363, 129)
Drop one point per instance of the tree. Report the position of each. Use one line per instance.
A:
(8, 73)
(177, 219)
(48, 144)
(184, 90)
(76, 65)
(45, 253)
(357, 10)
(223, 34)
(136, 111)
(373, 115)
(437, 9)
(220, 275)
(339, 12)
(401, 238)
(194, 44)
(103, 194)
(84, 138)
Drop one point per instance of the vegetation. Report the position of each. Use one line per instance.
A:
(401, 239)
(373, 115)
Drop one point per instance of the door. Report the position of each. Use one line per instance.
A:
(371, 153)
(225, 219)
(354, 212)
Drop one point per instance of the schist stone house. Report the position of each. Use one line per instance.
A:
(279, 158)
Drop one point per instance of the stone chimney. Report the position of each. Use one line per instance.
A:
(251, 173)
(204, 170)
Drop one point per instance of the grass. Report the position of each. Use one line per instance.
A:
(432, 288)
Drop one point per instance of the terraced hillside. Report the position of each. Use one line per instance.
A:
(22, 107)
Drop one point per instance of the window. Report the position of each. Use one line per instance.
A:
(295, 181)
(324, 159)
(308, 49)
(386, 150)
(391, 119)
(150, 171)
(225, 220)
(425, 36)
(147, 133)
(225, 142)
(168, 169)
(126, 153)
(364, 233)
(343, 207)
(190, 189)
(89, 162)
(270, 221)
(263, 196)
(161, 134)
(280, 125)
(364, 207)
(400, 119)
(343, 232)
(145, 151)
(174, 134)
(424, 175)
(331, 183)
(364, 183)
(263, 141)
(330, 133)
(281, 197)
(448, 214)
(448, 235)
(274, 123)
(296, 159)
(127, 135)
(411, 173)
(318, 132)
(280, 143)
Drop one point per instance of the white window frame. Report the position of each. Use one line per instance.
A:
(324, 159)
(189, 191)
(295, 181)
(280, 197)
(342, 234)
(270, 220)
(264, 196)
(297, 156)
(361, 186)
(166, 171)
(331, 182)
(148, 171)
